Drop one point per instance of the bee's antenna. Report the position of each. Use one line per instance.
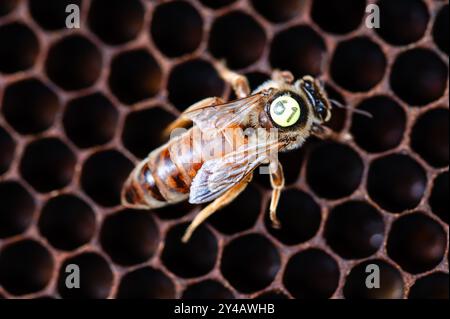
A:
(357, 111)
(322, 82)
(323, 63)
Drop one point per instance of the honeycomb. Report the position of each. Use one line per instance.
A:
(80, 107)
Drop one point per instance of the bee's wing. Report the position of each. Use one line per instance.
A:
(219, 117)
(218, 175)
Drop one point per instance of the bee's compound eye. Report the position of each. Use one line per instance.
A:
(285, 111)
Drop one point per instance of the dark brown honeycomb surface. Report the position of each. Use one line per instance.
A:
(79, 108)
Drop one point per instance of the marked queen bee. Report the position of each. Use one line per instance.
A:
(184, 169)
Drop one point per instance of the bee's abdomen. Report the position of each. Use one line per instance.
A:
(166, 175)
(140, 190)
(156, 181)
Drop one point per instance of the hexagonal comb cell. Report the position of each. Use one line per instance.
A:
(25, 267)
(116, 22)
(48, 164)
(90, 120)
(139, 137)
(384, 130)
(129, 237)
(358, 64)
(354, 230)
(338, 17)
(80, 107)
(311, 274)
(98, 181)
(193, 81)
(74, 63)
(51, 14)
(135, 76)
(96, 279)
(396, 182)
(17, 209)
(299, 49)
(300, 217)
(340, 165)
(240, 215)
(30, 106)
(250, 272)
(403, 21)
(176, 28)
(193, 259)
(21, 50)
(67, 222)
(237, 38)
(417, 243)
(358, 284)
(419, 76)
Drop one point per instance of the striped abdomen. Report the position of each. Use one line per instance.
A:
(165, 176)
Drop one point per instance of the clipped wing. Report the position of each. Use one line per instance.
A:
(219, 117)
(218, 175)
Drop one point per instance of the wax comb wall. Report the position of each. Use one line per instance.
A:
(78, 108)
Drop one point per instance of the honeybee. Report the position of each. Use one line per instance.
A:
(180, 170)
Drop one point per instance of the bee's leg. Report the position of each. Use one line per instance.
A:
(324, 133)
(217, 204)
(277, 182)
(283, 76)
(184, 121)
(238, 82)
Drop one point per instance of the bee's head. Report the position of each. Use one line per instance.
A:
(295, 109)
(316, 97)
(290, 114)
(291, 107)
